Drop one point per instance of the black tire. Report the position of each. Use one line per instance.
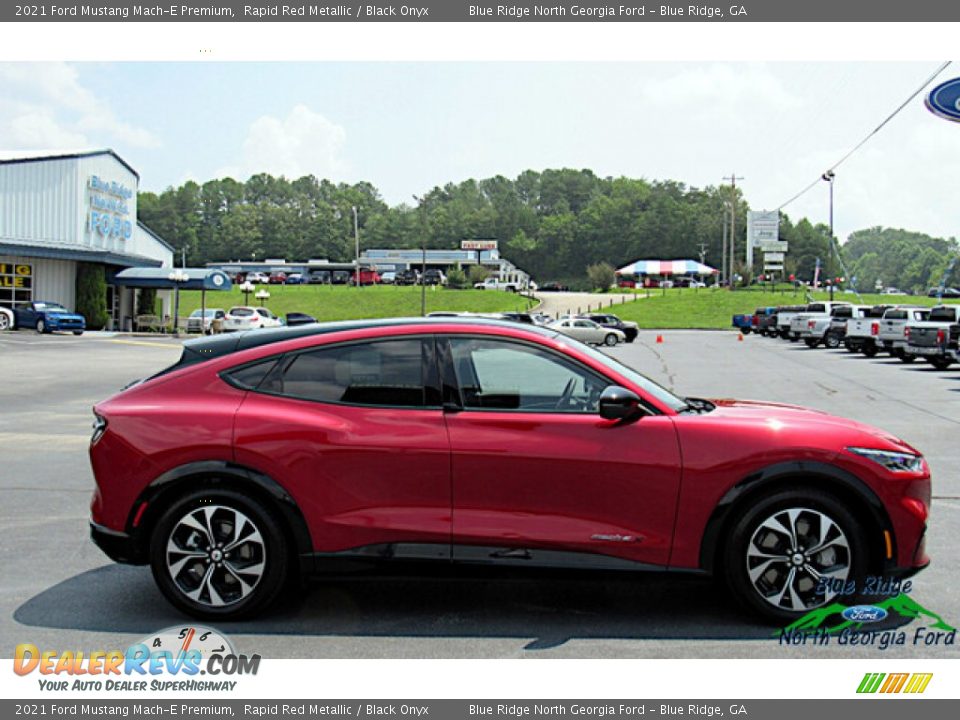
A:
(940, 363)
(869, 350)
(610, 340)
(78, 332)
(272, 552)
(794, 338)
(831, 341)
(905, 358)
(41, 326)
(811, 342)
(746, 330)
(813, 505)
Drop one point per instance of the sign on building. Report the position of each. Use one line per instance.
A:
(16, 283)
(478, 244)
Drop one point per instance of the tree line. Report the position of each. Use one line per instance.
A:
(553, 224)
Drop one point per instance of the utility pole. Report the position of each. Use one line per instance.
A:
(356, 240)
(723, 260)
(828, 177)
(423, 263)
(733, 221)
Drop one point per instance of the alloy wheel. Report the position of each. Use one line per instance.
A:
(788, 554)
(215, 555)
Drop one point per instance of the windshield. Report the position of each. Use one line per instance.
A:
(642, 381)
(51, 307)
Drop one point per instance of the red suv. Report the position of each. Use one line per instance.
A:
(261, 455)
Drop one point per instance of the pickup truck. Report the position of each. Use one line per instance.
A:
(935, 340)
(863, 333)
(751, 323)
(799, 327)
(492, 283)
(785, 315)
(836, 331)
(893, 327)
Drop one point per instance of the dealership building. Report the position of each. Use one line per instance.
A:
(58, 210)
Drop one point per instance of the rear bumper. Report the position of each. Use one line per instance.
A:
(118, 546)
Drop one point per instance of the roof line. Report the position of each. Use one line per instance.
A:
(71, 156)
(153, 234)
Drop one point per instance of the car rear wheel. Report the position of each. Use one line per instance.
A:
(869, 350)
(215, 554)
(832, 341)
(5, 323)
(610, 340)
(791, 551)
(78, 332)
(41, 326)
(811, 342)
(940, 363)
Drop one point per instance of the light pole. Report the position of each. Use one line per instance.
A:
(828, 177)
(423, 258)
(356, 240)
(177, 277)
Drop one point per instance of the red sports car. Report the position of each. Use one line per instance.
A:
(264, 454)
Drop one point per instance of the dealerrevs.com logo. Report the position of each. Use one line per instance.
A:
(889, 683)
(172, 659)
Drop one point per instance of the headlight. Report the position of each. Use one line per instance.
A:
(892, 461)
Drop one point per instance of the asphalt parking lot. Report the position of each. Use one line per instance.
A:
(59, 591)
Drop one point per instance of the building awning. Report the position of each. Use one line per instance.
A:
(55, 251)
(196, 278)
(667, 267)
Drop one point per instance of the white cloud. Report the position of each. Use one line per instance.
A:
(47, 107)
(709, 88)
(302, 143)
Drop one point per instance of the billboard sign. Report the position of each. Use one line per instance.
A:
(478, 244)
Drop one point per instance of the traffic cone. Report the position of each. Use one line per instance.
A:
(659, 339)
(739, 337)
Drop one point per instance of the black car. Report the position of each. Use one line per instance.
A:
(340, 277)
(553, 287)
(629, 329)
(299, 318)
(407, 277)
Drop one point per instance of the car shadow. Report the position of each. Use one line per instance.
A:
(486, 603)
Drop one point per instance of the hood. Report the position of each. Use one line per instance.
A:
(797, 419)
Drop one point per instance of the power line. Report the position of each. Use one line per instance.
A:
(877, 129)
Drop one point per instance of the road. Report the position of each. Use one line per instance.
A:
(574, 303)
(60, 591)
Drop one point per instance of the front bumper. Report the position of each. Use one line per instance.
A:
(118, 546)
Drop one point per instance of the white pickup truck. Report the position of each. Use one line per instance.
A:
(492, 283)
(811, 324)
(893, 326)
(863, 333)
(785, 316)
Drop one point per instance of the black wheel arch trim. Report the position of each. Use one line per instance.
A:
(829, 475)
(162, 488)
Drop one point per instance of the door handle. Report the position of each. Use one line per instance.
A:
(512, 554)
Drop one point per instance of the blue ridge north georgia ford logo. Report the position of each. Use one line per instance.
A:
(944, 100)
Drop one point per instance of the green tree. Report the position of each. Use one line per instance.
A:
(92, 295)
(601, 276)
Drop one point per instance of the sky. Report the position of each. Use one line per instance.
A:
(407, 127)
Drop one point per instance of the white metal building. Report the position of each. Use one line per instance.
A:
(61, 209)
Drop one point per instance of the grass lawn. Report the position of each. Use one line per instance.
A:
(708, 308)
(342, 302)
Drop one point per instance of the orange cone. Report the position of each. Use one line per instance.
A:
(659, 339)
(739, 337)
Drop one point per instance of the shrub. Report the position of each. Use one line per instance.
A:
(601, 276)
(457, 279)
(92, 295)
(478, 273)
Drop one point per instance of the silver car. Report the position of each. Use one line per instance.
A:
(588, 331)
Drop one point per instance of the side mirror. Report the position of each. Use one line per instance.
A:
(618, 403)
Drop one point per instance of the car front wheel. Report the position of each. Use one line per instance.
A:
(215, 554)
(792, 551)
(41, 327)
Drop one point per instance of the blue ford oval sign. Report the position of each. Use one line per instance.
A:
(944, 100)
(864, 613)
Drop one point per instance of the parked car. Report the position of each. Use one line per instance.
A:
(340, 277)
(294, 279)
(258, 278)
(367, 277)
(298, 318)
(277, 277)
(893, 329)
(7, 319)
(408, 277)
(553, 287)
(492, 283)
(520, 317)
(626, 281)
(587, 331)
(948, 292)
(246, 317)
(319, 277)
(799, 323)
(259, 456)
(629, 329)
(46, 317)
(201, 321)
(388, 278)
(785, 315)
(743, 322)
(434, 277)
(814, 327)
(766, 323)
(935, 339)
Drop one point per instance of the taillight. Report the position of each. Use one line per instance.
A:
(906, 332)
(811, 324)
(941, 337)
(874, 328)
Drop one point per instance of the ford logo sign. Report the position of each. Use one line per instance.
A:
(944, 100)
(864, 613)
